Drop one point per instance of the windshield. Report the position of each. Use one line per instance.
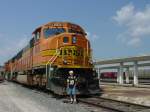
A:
(53, 31)
(75, 31)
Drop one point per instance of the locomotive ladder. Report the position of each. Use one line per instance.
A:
(50, 62)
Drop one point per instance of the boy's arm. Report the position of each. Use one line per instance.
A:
(67, 83)
(76, 81)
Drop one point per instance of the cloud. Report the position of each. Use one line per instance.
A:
(136, 23)
(24, 41)
(92, 37)
(134, 41)
(124, 14)
(9, 46)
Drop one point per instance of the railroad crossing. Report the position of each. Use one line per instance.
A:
(124, 63)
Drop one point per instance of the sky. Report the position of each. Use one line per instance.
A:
(115, 28)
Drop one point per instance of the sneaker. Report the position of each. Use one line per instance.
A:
(75, 101)
(71, 101)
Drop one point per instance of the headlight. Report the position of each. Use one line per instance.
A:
(65, 62)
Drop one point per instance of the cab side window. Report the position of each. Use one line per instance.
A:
(36, 36)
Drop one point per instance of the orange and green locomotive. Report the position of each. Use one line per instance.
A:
(54, 49)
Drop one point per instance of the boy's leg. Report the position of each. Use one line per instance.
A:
(74, 94)
(71, 99)
(71, 95)
(74, 97)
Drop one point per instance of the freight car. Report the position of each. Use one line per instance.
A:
(109, 75)
(54, 49)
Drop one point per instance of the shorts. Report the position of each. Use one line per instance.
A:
(71, 91)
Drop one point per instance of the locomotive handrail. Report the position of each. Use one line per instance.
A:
(50, 61)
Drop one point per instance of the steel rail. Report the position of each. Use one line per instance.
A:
(113, 105)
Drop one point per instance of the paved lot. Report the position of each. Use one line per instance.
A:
(15, 98)
(130, 94)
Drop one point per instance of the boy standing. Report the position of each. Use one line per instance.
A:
(71, 86)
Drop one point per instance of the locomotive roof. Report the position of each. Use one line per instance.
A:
(57, 24)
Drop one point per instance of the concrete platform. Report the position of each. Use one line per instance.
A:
(15, 98)
(139, 95)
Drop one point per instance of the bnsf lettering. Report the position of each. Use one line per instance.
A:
(70, 52)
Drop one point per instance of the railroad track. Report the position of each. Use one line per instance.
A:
(114, 105)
